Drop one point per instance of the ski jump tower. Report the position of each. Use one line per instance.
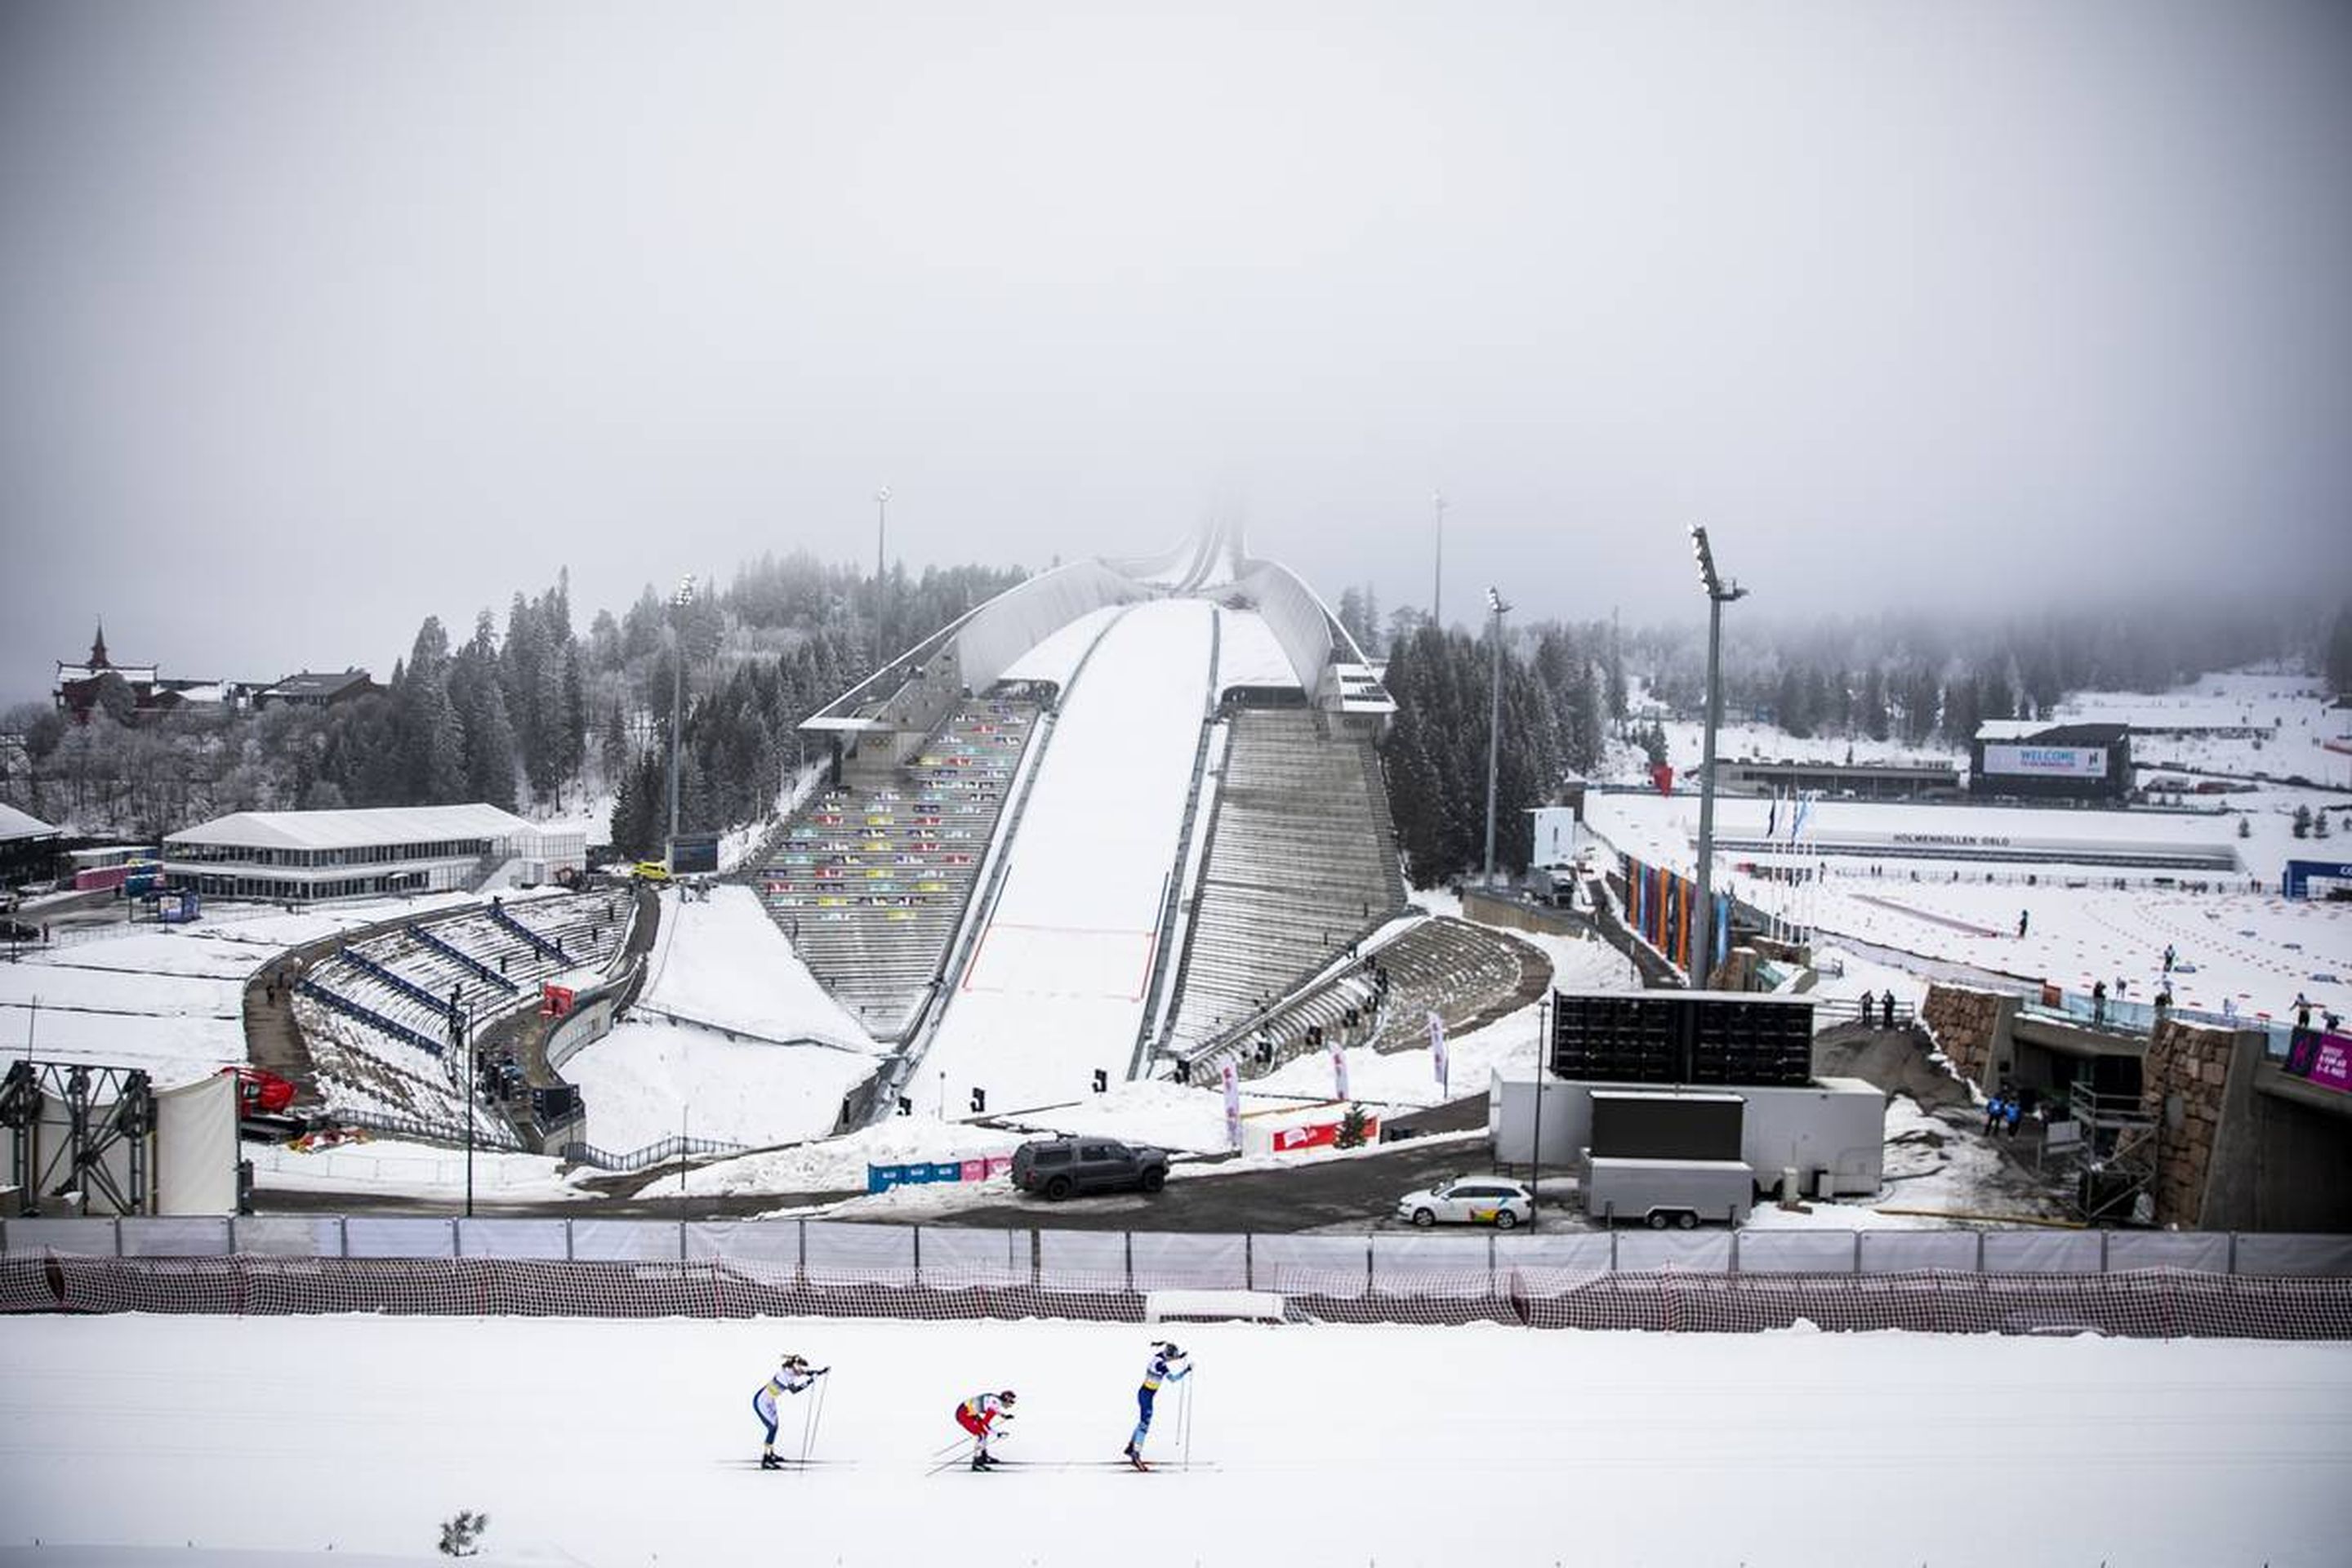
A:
(1103, 816)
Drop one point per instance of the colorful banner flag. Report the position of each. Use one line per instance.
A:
(1437, 1047)
(1232, 1082)
(1339, 1071)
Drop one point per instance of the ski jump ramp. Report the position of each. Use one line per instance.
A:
(1061, 972)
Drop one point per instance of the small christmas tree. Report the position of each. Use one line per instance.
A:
(2245, 828)
(2303, 822)
(2319, 825)
(462, 1536)
(1351, 1129)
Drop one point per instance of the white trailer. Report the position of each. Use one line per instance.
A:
(1659, 1192)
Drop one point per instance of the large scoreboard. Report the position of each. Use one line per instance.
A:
(1683, 1037)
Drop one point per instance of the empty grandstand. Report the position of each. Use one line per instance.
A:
(1464, 975)
(378, 1014)
(1301, 858)
(870, 881)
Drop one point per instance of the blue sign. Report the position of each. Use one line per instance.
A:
(2299, 873)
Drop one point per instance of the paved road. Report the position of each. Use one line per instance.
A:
(1348, 1193)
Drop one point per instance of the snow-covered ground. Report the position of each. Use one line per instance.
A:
(165, 999)
(1055, 986)
(719, 964)
(2253, 951)
(211, 1441)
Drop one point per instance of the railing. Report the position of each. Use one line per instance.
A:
(1401, 1263)
(491, 1130)
(1157, 988)
(400, 983)
(538, 943)
(1870, 1010)
(652, 1155)
(368, 1015)
(460, 957)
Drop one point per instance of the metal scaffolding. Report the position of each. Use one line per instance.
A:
(96, 1155)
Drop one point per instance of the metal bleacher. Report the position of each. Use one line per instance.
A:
(871, 880)
(1463, 973)
(377, 1012)
(1301, 860)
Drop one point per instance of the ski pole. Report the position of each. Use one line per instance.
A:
(1185, 1422)
(809, 1420)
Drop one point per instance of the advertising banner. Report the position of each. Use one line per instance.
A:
(1339, 1072)
(2324, 1059)
(2047, 761)
(1437, 1047)
(882, 1178)
(1319, 1135)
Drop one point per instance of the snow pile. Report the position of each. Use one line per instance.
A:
(721, 961)
(721, 966)
(838, 1164)
(649, 1080)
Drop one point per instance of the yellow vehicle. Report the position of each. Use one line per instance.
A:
(652, 871)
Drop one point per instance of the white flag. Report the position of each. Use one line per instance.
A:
(1437, 1047)
(1340, 1070)
(1232, 1105)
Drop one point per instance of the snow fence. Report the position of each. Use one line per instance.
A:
(2122, 1283)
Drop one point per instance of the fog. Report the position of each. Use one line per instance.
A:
(316, 318)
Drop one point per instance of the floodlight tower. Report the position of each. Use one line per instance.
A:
(1718, 593)
(1499, 608)
(679, 604)
(881, 526)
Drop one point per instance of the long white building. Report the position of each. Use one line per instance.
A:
(306, 856)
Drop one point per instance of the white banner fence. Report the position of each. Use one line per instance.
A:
(1403, 1263)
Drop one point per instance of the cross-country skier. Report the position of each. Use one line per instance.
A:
(794, 1376)
(1167, 1364)
(977, 1415)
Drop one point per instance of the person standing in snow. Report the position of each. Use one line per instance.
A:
(794, 1376)
(1167, 1364)
(2098, 1002)
(979, 1415)
(1888, 1016)
(2022, 916)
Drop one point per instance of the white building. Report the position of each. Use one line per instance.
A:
(306, 856)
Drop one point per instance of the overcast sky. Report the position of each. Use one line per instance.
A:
(315, 318)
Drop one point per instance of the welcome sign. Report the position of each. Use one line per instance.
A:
(2047, 761)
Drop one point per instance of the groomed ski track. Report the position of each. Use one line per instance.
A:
(1060, 974)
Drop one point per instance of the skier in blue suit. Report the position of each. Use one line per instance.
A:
(1167, 1364)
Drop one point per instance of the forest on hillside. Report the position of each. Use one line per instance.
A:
(534, 713)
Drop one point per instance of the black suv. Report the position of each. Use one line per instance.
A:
(1057, 1167)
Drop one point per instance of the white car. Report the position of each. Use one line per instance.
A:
(1470, 1200)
